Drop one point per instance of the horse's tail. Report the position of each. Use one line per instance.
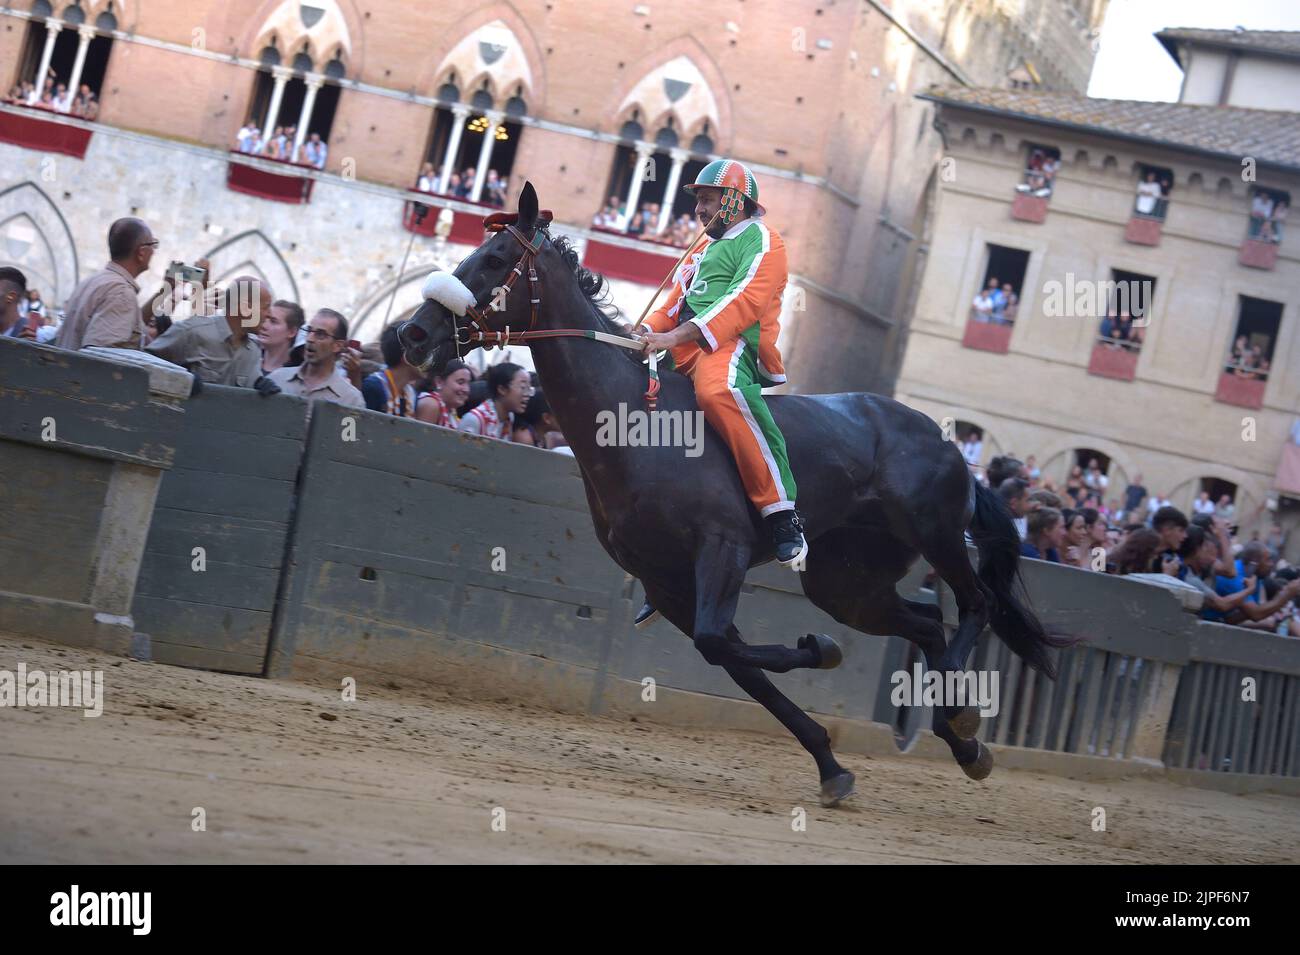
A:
(1010, 615)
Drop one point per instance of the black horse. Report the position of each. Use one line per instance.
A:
(878, 487)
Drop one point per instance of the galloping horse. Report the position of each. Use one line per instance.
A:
(879, 486)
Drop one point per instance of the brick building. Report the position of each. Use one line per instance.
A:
(815, 96)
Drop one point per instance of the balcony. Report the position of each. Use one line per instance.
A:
(263, 177)
(1258, 254)
(466, 227)
(987, 336)
(1029, 208)
(1288, 470)
(35, 127)
(1243, 392)
(1110, 361)
(1143, 230)
(645, 261)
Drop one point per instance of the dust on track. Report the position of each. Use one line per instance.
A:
(287, 772)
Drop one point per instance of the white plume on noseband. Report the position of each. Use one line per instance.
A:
(449, 291)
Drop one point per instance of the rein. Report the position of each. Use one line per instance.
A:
(481, 333)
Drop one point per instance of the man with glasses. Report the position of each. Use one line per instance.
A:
(104, 308)
(315, 379)
(221, 348)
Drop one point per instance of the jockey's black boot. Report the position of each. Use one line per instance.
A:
(645, 616)
(787, 534)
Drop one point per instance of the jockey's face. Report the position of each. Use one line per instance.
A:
(708, 200)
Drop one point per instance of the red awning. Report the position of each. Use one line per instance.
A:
(629, 264)
(33, 131)
(288, 186)
(1288, 470)
(466, 227)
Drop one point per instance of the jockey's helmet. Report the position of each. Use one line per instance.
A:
(737, 184)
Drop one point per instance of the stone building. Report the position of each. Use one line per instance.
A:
(587, 100)
(1199, 389)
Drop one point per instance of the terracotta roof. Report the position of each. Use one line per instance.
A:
(1278, 42)
(1271, 137)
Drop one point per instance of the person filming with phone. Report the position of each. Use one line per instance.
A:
(220, 348)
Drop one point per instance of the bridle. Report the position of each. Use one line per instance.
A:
(479, 332)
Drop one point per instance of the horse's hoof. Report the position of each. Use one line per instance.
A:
(982, 764)
(825, 650)
(837, 788)
(966, 724)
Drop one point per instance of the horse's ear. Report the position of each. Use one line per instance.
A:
(527, 208)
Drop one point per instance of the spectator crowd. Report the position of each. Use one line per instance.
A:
(56, 97)
(242, 336)
(997, 303)
(460, 185)
(644, 223)
(281, 145)
(1087, 525)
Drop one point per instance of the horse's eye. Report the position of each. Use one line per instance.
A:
(495, 262)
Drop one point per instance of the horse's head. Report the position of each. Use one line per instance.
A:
(484, 291)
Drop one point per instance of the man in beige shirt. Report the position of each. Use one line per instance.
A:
(315, 379)
(221, 348)
(104, 309)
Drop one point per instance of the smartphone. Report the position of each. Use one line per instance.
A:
(353, 343)
(189, 274)
(1248, 569)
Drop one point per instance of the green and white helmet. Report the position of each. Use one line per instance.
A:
(737, 184)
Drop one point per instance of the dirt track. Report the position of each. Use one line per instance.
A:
(410, 773)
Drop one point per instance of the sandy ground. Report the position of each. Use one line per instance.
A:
(287, 772)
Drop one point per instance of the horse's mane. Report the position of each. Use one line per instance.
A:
(597, 293)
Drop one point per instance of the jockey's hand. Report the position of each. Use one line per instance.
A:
(655, 341)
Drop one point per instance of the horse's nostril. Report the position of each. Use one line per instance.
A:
(414, 333)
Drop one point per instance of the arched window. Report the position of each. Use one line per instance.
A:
(472, 147)
(644, 196)
(74, 64)
(288, 108)
(455, 159)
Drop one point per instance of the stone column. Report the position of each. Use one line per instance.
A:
(670, 193)
(51, 34)
(485, 153)
(314, 83)
(85, 34)
(643, 153)
(458, 116)
(281, 76)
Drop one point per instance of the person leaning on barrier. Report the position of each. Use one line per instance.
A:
(103, 309)
(222, 348)
(1254, 564)
(1200, 553)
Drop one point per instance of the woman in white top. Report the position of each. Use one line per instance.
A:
(1148, 193)
(428, 179)
(509, 388)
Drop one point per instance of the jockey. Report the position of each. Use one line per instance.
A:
(721, 322)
